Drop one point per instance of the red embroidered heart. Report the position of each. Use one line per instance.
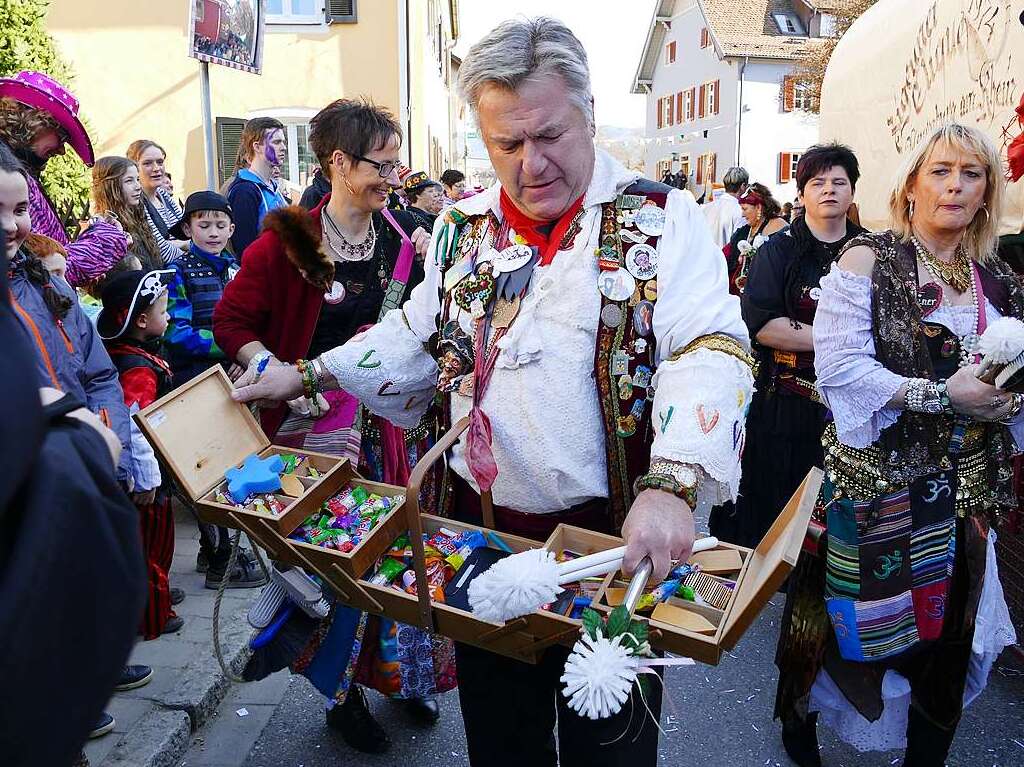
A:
(706, 425)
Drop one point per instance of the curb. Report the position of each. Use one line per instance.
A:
(163, 736)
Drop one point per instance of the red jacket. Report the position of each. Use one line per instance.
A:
(271, 301)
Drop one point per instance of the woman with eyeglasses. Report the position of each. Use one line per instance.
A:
(309, 283)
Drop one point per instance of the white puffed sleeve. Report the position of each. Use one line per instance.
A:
(388, 367)
(701, 398)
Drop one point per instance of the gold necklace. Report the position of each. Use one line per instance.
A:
(956, 274)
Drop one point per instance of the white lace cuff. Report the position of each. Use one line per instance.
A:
(699, 417)
(387, 369)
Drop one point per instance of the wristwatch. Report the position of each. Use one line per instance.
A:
(680, 479)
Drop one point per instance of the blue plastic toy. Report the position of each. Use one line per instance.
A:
(257, 475)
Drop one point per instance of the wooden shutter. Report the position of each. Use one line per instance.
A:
(718, 88)
(788, 93)
(658, 110)
(700, 170)
(713, 170)
(229, 137)
(670, 103)
(785, 164)
(341, 11)
(693, 104)
(700, 102)
(680, 117)
(705, 38)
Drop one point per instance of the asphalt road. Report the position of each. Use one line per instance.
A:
(712, 716)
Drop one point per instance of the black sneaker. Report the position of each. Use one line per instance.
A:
(356, 724)
(177, 596)
(103, 726)
(202, 562)
(173, 625)
(246, 575)
(424, 711)
(134, 676)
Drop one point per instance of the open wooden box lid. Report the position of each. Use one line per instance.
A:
(772, 560)
(200, 432)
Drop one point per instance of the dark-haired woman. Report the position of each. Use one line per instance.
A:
(763, 215)
(454, 184)
(310, 282)
(786, 417)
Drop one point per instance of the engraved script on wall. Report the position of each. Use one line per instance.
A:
(960, 69)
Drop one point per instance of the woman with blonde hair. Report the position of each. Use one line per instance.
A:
(893, 623)
(117, 192)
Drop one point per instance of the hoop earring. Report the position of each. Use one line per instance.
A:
(910, 211)
(988, 217)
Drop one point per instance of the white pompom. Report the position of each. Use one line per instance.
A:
(515, 586)
(1002, 341)
(599, 675)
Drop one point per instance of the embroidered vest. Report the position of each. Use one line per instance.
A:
(918, 444)
(624, 355)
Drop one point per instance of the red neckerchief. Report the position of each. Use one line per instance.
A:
(530, 229)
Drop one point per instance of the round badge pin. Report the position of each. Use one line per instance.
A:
(651, 290)
(650, 220)
(511, 258)
(642, 262)
(337, 294)
(611, 316)
(616, 284)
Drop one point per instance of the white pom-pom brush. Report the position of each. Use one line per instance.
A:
(522, 583)
(1002, 349)
(600, 672)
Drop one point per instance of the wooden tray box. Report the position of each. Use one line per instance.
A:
(199, 432)
(760, 573)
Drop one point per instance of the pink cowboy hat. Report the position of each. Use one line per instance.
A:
(40, 91)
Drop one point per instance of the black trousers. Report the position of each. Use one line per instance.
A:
(510, 710)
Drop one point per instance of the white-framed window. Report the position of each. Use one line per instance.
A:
(788, 25)
(787, 166)
(670, 53)
(711, 98)
(295, 11)
(802, 97)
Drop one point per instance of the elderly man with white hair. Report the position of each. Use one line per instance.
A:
(580, 316)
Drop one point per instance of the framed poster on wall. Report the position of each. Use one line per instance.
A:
(228, 32)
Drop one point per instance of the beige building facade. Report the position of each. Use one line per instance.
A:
(134, 78)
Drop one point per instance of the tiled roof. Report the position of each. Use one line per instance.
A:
(747, 28)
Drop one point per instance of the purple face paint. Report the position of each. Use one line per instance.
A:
(269, 152)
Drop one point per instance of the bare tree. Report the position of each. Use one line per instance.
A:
(810, 71)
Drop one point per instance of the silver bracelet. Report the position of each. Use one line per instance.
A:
(923, 396)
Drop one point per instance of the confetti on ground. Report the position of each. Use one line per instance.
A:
(1018, 743)
(243, 712)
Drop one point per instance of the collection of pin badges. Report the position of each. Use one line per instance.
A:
(628, 265)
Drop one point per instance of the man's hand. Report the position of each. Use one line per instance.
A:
(277, 384)
(421, 239)
(660, 526)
